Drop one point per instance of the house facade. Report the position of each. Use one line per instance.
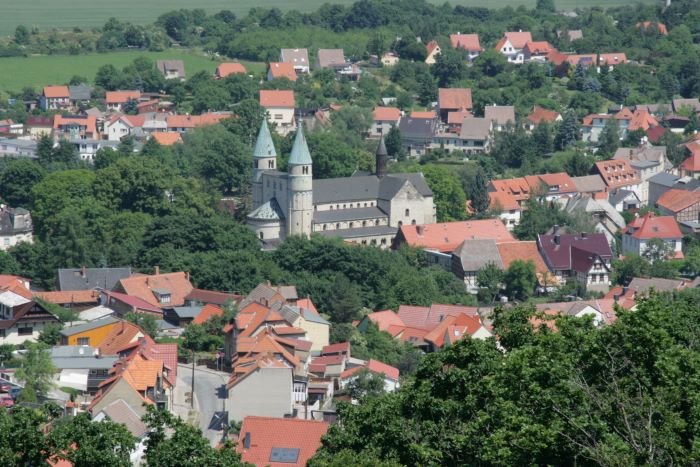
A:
(262, 387)
(512, 46)
(21, 318)
(638, 236)
(15, 227)
(280, 109)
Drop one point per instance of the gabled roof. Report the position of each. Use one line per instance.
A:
(454, 98)
(617, 173)
(121, 97)
(297, 57)
(248, 365)
(386, 114)
(87, 121)
(89, 278)
(642, 120)
(165, 66)
(283, 70)
(572, 252)
(468, 42)
(676, 200)
(385, 319)
(432, 46)
(475, 129)
(373, 366)
(194, 121)
(122, 336)
(134, 302)
(331, 57)
(423, 317)
(211, 296)
(166, 138)
(501, 200)
(122, 413)
(447, 236)
(208, 312)
(692, 162)
(517, 39)
(540, 114)
(70, 297)
(460, 325)
(274, 98)
(142, 286)
(538, 48)
(229, 68)
(166, 353)
(501, 114)
(98, 323)
(56, 92)
(423, 114)
(457, 117)
(523, 251)
(589, 183)
(269, 437)
(651, 226)
(341, 347)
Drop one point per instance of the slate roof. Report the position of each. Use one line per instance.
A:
(360, 232)
(366, 187)
(340, 215)
(80, 92)
(572, 251)
(106, 278)
(417, 128)
(300, 154)
(187, 312)
(266, 434)
(264, 146)
(475, 254)
(269, 211)
(617, 196)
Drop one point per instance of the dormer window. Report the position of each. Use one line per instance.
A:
(163, 296)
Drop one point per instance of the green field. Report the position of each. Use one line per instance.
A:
(18, 72)
(47, 14)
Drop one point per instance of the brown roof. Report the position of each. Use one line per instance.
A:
(454, 98)
(193, 121)
(524, 251)
(385, 319)
(273, 98)
(538, 48)
(330, 57)
(206, 313)
(88, 121)
(283, 70)
(503, 200)
(211, 296)
(676, 200)
(56, 92)
(540, 114)
(650, 226)
(70, 296)
(431, 46)
(142, 286)
(225, 69)
(122, 336)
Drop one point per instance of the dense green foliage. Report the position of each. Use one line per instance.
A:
(620, 394)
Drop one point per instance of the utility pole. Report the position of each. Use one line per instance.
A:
(192, 390)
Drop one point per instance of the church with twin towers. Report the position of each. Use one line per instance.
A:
(364, 208)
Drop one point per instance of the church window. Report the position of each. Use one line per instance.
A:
(376, 222)
(413, 222)
(337, 206)
(305, 170)
(383, 241)
(270, 164)
(364, 242)
(331, 207)
(351, 225)
(365, 204)
(325, 226)
(374, 241)
(408, 212)
(256, 164)
(364, 223)
(261, 235)
(337, 226)
(345, 206)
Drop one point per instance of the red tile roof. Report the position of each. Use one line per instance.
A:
(465, 325)
(655, 133)
(122, 336)
(643, 120)
(166, 353)
(206, 313)
(692, 162)
(540, 114)
(230, 68)
(267, 433)
(675, 200)
(307, 304)
(469, 42)
(524, 251)
(15, 284)
(386, 114)
(88, 121)
(142, 286)
(617, 173)
(423, 114)
(447, 236)
(374, 366)
(134, 302)
(503, 200)
(538, 48)
(56, 92)
(166, 138)
(431, 46)
(283, 70)
(272, 98)
(212, 296)
(341, 347)
(193, 121)
(660, 27)
(385, 319)
(121, 97)
(517, 39)
(423, 317)
(454, 98)
(650, 226)
(70, 296)
(457, 117)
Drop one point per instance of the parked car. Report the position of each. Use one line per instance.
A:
(6, 400)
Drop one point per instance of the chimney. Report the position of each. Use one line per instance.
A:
(246, 440)
(187, 275)
(420, 229)
(83, 271)
(557, 237)
(584, 234)
(156, 270)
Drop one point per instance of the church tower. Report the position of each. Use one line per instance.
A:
(264, 158)
(300, 187)
(382, 156)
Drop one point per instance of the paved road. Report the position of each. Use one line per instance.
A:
(208, 390)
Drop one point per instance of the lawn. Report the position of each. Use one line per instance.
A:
(47, 14)
(18, 72)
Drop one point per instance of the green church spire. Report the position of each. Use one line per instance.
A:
(300, 151)
(264, 147)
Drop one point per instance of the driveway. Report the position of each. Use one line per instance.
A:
(209, 393)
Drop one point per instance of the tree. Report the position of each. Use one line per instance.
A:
(478, 192)
(449, 67)
(540, 216)
(394, 147)
(365, 384)
(450, 200)
(35, 372)
(21, 35)
(520, 279)
(545, 6)
(130, 107)
(197, 339)
(609, 139)
(543, 138)
(51, 334)
(568, 132)
(332, 157)
(17, 179)
(489, 279)
(347, 302)
(656, 250)
(144, 321)
(174, 443)
(628, 268)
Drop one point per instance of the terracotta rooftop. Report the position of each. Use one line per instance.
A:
(423, 114)
(166, 138)
(641, 119)
(88, 121)
(675, 200)
(454, 98)
(56, 92)
(386, 114)
(212, 296)
(374, 366)
(270, 438)
(617, 173)
(283, 70)
(122, 336)
(524, 251)
(540, 114)
(423, 317)
(229, 68)
(385, 319)
(121, 97)
(431, 46)
(207, 312)
(461, 325)
(68, 297)
(145, 287)
(468, 42)
(538, 47)
(457, 117)
(447, 236)
(651, 226)
(194, 121)
(517, 39)
(503, 200)
(692, 162)
(341, 347)
(272, 98)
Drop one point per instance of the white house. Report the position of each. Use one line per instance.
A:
(15, 227)
(280, 109)
(388, 372)
(21, 318)
(636, 238)
(512, 45)
(261, 386)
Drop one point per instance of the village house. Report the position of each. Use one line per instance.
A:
(661, 183)
(77, 300)
(453, 100)
(280, 70)
(506, 207)
(54, 98)
(183, 123)
(15, 227)
(81, 367)
(299, 58)
(501, 115)
(389, 59)
(602, 311)
(512, 45)
(171, 69)
(691, 165)
(548, 186)
(417, 134)
(456, 119)
(115, 100)
(335, 60)
(389, 374)
(279, 441)
(440, 240)
(432, 51)
(75, 127)
(618, 174)
(591, 185)
(585, 258)
(652, 26)
(537, 51)
(684, 206)
(648, 161)
(384, 119)
(229, 68)
(606, 218)
(18, 148)
(80, 95)
(160, 290)
(685, 106)
(640, 232)
(21, 318)
(280, 109)
(121, 126)
(166, 139)
(473, 138)
(541, 115)
(467, 42)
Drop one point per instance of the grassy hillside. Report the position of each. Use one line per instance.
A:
(47, 14)
(18, 72)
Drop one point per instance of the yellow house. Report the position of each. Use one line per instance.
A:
(92, 333)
